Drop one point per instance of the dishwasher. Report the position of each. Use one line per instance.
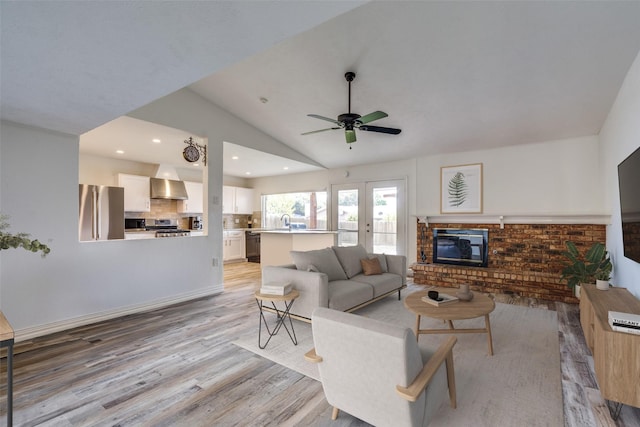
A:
(252, 240)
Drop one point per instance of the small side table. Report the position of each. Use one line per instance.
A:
(6, 340)
(282, 315)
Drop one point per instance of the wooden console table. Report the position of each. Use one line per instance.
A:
(6, 340)
(615, 354)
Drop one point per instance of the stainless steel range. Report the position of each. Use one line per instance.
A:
(166, 228)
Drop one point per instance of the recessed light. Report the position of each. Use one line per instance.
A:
(286, 168)
(119, 151)
(234, 157)
(196, 164)
(247, 173)
(156, 140)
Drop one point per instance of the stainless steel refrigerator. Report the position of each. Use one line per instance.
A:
(101, 213)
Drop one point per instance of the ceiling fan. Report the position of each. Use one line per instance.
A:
(351, 121)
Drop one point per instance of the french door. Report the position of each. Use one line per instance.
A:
(371, 214)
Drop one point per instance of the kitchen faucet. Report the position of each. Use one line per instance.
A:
(288, 222)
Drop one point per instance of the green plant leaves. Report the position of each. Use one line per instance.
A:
(595, 264)
(457, 190)
(19, 240)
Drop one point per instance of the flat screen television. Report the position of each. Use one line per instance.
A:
(629, 185)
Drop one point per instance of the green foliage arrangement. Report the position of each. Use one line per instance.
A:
(19, 240)
(595, 264)
(457, 190)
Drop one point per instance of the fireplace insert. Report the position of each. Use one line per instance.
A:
(461, 246)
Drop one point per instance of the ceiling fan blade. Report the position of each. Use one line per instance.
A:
(376, 115)
(350, 135)
(316, 131)
(392, 131)
(315, 116)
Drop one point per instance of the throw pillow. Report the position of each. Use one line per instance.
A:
(324, 260)
(383, 261)
(371, 266)
(349, 257)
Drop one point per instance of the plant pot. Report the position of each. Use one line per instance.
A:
(602, 285)
(576, 291)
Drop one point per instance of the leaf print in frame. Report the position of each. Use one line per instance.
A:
(461, 189)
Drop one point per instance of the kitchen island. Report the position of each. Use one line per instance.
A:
(276, 244)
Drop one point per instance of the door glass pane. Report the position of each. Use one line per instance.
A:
(348, 217)
(385, 220)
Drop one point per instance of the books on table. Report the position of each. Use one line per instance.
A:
(276, 288)
(443, 299)
(624, 322)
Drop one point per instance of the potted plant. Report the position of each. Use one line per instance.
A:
(603, 274)
(579, 269)
(19, 240)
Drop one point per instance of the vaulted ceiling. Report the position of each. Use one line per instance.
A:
(454, 76)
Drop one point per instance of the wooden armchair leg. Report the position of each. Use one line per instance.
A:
(334, 414)
(451, 380)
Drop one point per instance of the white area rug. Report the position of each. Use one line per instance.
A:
(519, 385)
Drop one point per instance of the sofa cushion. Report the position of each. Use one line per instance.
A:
(345, 294)
(381, 283)
(371, 266)
(324, 260)
(383, 261)
(349, 257)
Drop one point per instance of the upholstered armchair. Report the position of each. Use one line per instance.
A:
(377, 372)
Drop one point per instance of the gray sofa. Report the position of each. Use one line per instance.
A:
(334, 278)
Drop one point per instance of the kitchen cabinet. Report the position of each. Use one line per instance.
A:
(195, 203)
(233, 247)
(137, 197)
(237, 200)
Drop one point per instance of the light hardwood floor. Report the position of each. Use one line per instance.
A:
(175, 366)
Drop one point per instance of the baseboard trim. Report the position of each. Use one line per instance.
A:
(63, 325)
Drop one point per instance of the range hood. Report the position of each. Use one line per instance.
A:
(166, 185)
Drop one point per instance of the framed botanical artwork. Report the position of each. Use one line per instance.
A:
(461, 189)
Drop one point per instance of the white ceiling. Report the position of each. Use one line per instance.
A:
(454, 76)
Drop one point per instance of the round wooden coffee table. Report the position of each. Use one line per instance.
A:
(480, 305)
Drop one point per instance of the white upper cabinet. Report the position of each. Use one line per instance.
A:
(195, 203)
(244, 200)
(137, 196)
(228, 199)
(237, 200)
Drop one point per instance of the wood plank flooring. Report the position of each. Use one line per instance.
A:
(177, 366)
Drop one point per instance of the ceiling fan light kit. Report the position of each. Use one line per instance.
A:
(351, 121)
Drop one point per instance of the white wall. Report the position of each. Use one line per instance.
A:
(619, 137)
(99, 170)
(554, 177)
(81, 280)
(548, 178)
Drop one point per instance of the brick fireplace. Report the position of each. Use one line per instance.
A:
(525, 259)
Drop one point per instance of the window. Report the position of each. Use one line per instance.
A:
(306, 210)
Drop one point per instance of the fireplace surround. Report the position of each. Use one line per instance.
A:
(525, 259)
